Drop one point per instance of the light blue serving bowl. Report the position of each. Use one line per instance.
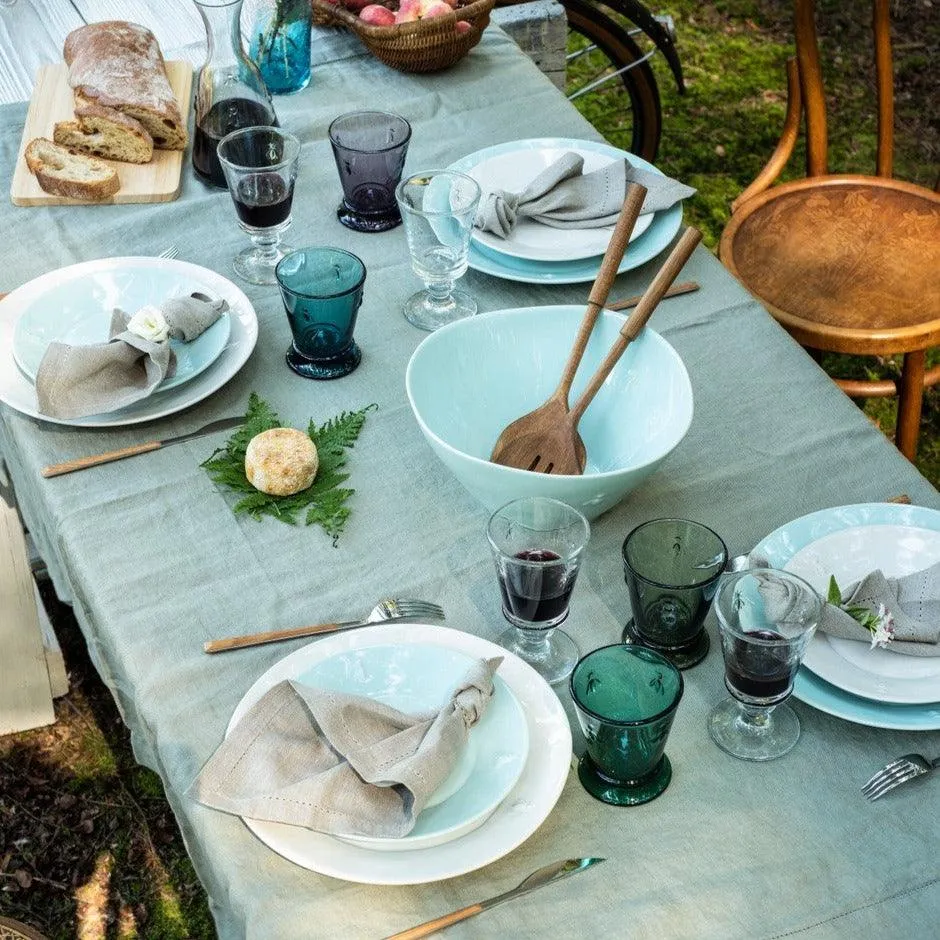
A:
(467, 381)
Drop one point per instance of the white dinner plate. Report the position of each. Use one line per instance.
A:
(417, 679)
(120, 278)
(513, 171)
(848, 542)
(514, 820)
(662, 229)
(80, 314)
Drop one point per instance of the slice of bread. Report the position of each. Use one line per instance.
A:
(74, 175)
(104, 132)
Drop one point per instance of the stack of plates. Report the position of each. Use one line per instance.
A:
(539, 254)
(507, 781)
(74, 304)
(845, 678)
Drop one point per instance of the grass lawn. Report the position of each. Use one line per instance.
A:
(88, 845)
(719, 134)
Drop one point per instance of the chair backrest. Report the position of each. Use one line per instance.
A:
(811, 87)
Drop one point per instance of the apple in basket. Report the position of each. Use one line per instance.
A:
(409, 11)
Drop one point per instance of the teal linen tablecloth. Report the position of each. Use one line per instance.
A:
(155, 563)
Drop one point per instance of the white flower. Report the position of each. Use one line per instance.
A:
(149, 323)
(883, 632)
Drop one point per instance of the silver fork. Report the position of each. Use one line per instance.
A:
(170, 253)
(388, 609)
(897, 772)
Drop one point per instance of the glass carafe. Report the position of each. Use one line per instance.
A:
(230, 93)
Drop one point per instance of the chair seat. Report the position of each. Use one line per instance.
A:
(846, 263)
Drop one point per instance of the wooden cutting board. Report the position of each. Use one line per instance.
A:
(157, 181)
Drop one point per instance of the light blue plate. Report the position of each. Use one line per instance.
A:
(418, 679)
(78, 311)
(782, 544)
(655, 239)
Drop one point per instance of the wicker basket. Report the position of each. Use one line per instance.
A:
(427, 45)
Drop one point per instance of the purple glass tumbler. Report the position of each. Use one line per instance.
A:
(369, 148)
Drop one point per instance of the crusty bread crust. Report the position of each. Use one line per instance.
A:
(64, 173)
(119, 65)
(281, 462)
(104, 132)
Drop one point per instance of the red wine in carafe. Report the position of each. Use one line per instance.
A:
(225, 116)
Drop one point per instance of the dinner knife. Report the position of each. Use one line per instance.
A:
(81, 463)
(538, 879)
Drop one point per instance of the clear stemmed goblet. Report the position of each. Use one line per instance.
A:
(438, 208)
(538, 544)
(260, 166)
(766, 619)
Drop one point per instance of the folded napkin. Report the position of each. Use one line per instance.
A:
(340, 763)
(75, 381)
(912, 601)
(563, 196)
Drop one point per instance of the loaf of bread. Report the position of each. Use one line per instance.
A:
(63, 173)
(104, 132)
(119, 65)
(281, 462)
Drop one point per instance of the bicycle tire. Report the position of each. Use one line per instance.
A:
(602, 30)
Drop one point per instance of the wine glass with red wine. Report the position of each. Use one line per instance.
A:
(766, 619)
(260, 166)
(538, 544)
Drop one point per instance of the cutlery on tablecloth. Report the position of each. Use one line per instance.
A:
(538, 879)
(686, 287)
(81, 463)
(390, 609)
(897, 772)
(553, 411)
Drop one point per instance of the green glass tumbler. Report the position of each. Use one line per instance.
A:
(672, 567)
(626, 698)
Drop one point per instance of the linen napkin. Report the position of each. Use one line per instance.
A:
(340, 763)
(564, 196)
(913, 601)
(76, 381)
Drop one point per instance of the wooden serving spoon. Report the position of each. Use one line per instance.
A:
(554, 409)
(552, 446)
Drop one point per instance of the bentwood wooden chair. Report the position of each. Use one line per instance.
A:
(847, 264)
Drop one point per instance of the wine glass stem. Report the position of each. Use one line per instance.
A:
(756, 718)
(534, 643)
(266, 244)
(439, 292)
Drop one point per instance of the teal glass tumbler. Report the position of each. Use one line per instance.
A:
(626, 699)
(322, 292)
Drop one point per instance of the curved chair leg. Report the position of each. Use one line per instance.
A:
(910, 401)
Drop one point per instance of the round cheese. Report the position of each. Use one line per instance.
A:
(281, 461)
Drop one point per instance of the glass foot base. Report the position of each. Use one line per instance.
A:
(682, 658)
(374, 222)
(324, 368)
(624, 794)
(734, 730)
(553, 657)
(425, 315)
(256, 267)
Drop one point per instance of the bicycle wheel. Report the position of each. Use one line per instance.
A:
(609, 81)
